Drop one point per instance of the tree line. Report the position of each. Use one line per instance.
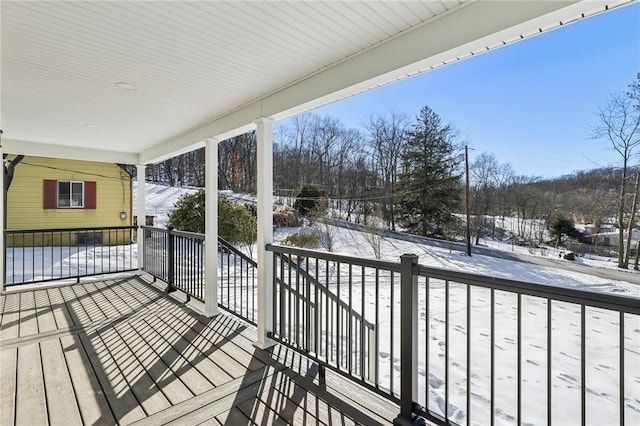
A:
(408, 171)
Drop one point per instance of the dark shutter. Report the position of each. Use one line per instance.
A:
(50, 194)
(90, 195)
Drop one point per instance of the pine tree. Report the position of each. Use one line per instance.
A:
(429, 185)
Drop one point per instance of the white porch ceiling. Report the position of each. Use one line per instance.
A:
(210, 69)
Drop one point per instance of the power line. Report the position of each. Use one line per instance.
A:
(74, 171)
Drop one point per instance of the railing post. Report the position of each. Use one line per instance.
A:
(408, 341)
(171, 258)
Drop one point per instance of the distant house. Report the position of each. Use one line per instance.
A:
(48, 193)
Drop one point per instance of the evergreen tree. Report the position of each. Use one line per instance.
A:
(310, 200)
(562, 225)
(429, 185)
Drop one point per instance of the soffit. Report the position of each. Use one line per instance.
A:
(209, 68)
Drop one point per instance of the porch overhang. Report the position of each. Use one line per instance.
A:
(199, 79)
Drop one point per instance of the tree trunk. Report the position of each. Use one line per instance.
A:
(632, 221)
(621, 216)
(9, 171)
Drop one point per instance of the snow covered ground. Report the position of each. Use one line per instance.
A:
(602, 350)
(602, 343)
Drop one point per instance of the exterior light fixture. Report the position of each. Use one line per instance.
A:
(123, 215)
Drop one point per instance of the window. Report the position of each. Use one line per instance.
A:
(64, 194)
(70, 194)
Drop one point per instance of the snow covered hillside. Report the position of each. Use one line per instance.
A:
(161, 199)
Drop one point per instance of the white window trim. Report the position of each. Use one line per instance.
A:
(70, 182)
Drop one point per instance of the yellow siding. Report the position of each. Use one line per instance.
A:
(25, 198)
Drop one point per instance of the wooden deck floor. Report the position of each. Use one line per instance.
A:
(122, 352)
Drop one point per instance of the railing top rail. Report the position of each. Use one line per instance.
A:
(615, 302)
(178, 233)
(237, 252)
(187, 234)
(86, 228)
(370, 263)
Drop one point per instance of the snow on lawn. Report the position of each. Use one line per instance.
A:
(30, 264)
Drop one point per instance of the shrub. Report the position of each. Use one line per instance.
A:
(327, 233)
(374, 232)
(236, 224)
(302, 240)
(188, 213)
(285, 217)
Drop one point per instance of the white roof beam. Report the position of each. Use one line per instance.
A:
(67, 152)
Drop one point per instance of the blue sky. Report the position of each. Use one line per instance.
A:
(531, 103)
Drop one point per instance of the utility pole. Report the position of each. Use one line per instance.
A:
(466, 163)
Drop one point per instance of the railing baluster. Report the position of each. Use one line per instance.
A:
(621, 372)
(583, 366)
(493, 357)
(549, 359)
(446, 350)
(468, 401)
(376, 354)
(307, 306)
(519, 361)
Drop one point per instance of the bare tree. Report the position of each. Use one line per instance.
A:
(619, 124)
(388, 135)
(483, 176)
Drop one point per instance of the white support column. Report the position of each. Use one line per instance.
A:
(265, 232)
(2, 241)
(142, 212)
(211, 229)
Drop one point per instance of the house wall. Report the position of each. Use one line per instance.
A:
(25, 200)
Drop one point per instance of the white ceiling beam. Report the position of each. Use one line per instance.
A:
(472, 28)
(36, 149)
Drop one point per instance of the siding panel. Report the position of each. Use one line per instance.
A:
(25, 199)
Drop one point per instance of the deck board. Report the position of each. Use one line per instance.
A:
(31, 408)
(28, 317)
(125, 406)
(198, 372)
(91, 400)
(7, 386)
(163, 377)
(59, 389)
(124, 352)
(10, 323)
(93, 310)
(45, 318)
(59, 308)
